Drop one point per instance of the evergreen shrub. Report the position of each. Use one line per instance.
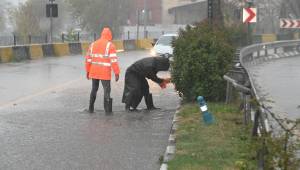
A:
(203, 53)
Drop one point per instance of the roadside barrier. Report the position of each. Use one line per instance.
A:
(6, 54)
(48, 50)
(21, 53)
(84, 47)
(119, 45)
(144, 43)
(61, 49)
(256, 107)
(75, 48)
(37, 51)
(265, 38)
(129, 45)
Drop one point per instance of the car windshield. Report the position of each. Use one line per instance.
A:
(165, 40)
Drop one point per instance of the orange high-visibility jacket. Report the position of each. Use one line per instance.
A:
(102, 57)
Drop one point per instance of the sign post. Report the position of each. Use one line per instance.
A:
(51, 12)
(249, 16)
(210, 11)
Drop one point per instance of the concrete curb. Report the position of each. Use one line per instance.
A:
(171, 148)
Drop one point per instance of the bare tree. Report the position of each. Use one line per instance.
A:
(30, 17)
(268, 16)
(290, 9)
(25, 19)
(3, 10)
(93, 15)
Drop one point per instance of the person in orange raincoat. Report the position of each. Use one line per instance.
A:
(101, 58)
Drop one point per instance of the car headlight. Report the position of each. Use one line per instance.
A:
(153, 53)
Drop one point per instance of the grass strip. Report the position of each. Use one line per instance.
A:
(224, 145)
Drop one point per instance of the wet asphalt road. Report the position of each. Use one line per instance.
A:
(279, 81)
(43, 124)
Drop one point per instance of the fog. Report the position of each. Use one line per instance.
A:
(131, 19)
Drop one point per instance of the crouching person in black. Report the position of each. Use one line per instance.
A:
(136, 85)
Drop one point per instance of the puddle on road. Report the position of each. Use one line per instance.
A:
(141, 115)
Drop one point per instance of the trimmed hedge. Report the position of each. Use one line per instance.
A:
(202, 55)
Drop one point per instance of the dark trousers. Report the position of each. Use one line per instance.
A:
(134, 89)
(95, 87)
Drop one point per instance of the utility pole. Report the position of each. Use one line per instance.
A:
(249, 28)
(214, 13)
(145, 16)
(210, 11)
(51, 21)
(137, 24)
(51, 12)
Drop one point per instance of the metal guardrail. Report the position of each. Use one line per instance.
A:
(252, 55)
(9, 40)
(261, 53)
(257, 111)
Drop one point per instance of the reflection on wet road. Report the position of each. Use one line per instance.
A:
(43, 124)
(279, 82)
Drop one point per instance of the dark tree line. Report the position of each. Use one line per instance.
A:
(90, 15)
(93, 15)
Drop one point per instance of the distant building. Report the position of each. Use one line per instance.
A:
(168, 12)
(183, 11)
(154, 10)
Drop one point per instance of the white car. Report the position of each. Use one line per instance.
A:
(163, 45)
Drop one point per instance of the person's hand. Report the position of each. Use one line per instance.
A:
(117, 77)
(87, 75)
(166, 81)
(163, 85)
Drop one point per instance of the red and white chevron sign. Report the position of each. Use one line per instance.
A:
(249, 15)
(289, 23)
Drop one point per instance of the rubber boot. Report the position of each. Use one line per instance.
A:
(127, 107)
(149, 102)
(91, 107)
(108, 106)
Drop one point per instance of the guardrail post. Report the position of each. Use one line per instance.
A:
(228, 92)
(147, 34)
(296, 48)
(29, 39)
(46, 38)
(15, 40)
(266, 51)
(78, 36)
(95, 36)
(128, 35)
(247, 108)
(63, 37)
(260, 156)
(256, 123)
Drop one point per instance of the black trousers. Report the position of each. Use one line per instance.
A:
(134, 89)
(95, 87)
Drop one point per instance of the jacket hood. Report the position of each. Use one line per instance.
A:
(162, 64)
(106, 34)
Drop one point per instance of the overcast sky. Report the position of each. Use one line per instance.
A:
(15, 1)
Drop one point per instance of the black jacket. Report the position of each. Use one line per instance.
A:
(148, 67)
